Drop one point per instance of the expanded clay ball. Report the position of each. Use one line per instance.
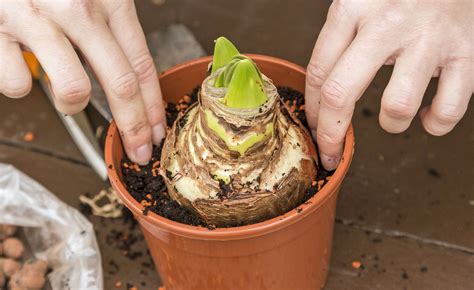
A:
(30, 277)
(36, 266)
(7, 231)
(13, 248)
(27, 280)
(9, 267)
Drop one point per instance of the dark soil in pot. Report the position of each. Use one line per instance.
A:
(147, 186)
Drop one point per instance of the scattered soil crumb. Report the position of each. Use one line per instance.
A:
(356, 264)
(366, 112)
(433, 172)
(376, 240)
(29, 136)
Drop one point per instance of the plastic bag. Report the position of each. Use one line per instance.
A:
(55, 231)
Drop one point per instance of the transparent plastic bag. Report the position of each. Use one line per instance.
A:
(54, 231)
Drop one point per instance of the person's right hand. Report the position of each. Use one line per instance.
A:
(109, 36)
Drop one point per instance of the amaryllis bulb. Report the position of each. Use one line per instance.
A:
(237, 156)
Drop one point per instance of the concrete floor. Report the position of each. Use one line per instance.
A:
(407, 205)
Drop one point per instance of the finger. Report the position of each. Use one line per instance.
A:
(391, 61)
(334, 38)
(450, 102)
(126, 28)
(345, 84)
(69, 82)
(403, 95)
(15, 78)
(121, 86)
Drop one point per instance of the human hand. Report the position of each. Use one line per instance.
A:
(421, 38)
(109, 36)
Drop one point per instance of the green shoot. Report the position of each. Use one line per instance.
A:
(223, 79)
(241, 76)
(224, 51)
(244, 85)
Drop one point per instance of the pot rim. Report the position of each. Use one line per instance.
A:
(240, 232)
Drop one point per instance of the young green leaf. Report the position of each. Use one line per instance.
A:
(224, 77)
(245, 86)
(224, 51)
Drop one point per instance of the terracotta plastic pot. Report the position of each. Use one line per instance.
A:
(291, 251)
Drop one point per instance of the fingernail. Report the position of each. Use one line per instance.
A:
(329, 162)
(143, 154)
(158, 133)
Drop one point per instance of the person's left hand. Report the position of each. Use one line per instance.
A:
(422, 38)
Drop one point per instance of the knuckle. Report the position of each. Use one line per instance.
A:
(343, 11)
(127, 4)
(125, 87)
(385, 24)
(17, 87)
(315, 75)
(334, 95)
(75, 91)
(399, 108)
(155, 112)
(448, 114)
(79, 10)
(311, 116)
(339, 9)
(124, 5)
(144, 68)
(51, 33)
(390, 18)
(137, 129)
(458, 61)
(82, 7)
(327, 138)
